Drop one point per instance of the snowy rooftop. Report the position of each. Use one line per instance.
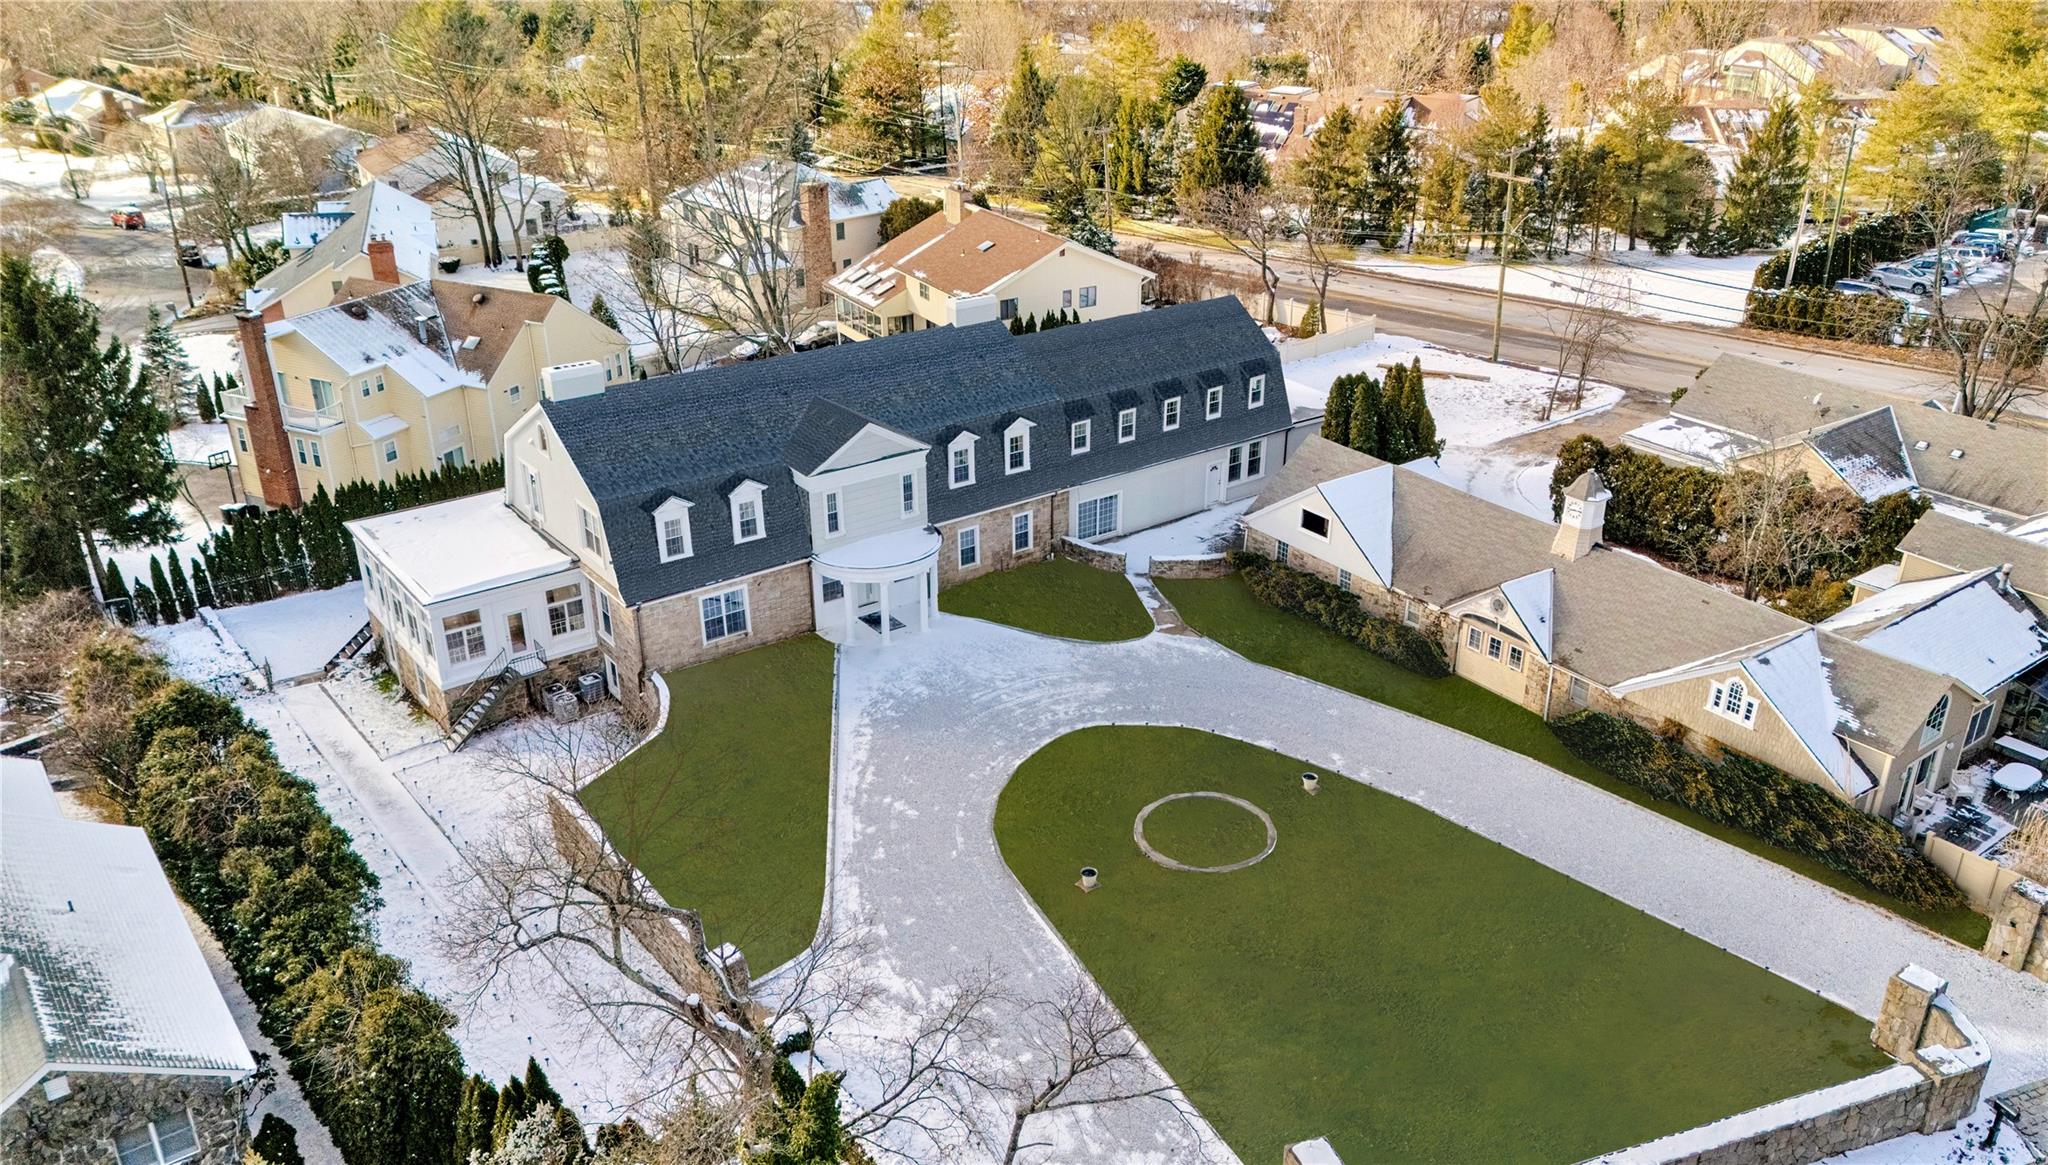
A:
(1960, 625)
(101, 972)
(1688, 440)
(450, 549)
(883, 551)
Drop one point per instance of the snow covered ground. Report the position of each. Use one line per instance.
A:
(1206, 532)
(297, 634)
(192, 443)
(389, 722)
(193, 529)
(1684, 288)
(106, 179)
(213, 352)
(1962, 1145)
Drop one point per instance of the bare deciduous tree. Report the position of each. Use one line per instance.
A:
(1254, 222)
(1775, 526)
(1596, 326)
(729, 252)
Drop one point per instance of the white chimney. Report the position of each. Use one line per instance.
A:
(569, 381)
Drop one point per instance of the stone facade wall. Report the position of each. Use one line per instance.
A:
(529, 695)
(2019, 929)
(424, 692)
(1194, 566)
(80, 1129)
(1094, 556)
(671, 630)
(995, 552)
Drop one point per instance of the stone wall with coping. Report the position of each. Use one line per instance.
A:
(80, 1128)
(1941, 1069)
(2019, 929)
(1192, 566)
(1095, 556)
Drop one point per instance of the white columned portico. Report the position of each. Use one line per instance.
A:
(867, 573)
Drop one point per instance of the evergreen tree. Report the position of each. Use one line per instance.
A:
(163, 366)
(1422, 422)
(202, 585)
(1337, 413)
(512, 1107)
(1764, 190)
(602, 312)
(1332, 172)
(1524, 36)
(145, 603)
(115, 591)
(474, 1118)
(1130, 149)
(160, 589)
(1017, 325)
(1091, 234)
(1393, 419)
(181, 587)
(82, 444)
(1022, 115)
(1365, 413)
(1182, 81)
(1224, 149)
(800, 1124)
(1311, 321)
(1388, 182)
(209, 403)
(1441, 202)
(538, 1090)
(1638, 141)
(277, 1142)
(884, 119)
(1030, 323)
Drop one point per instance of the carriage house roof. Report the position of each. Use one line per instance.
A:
(698, 435)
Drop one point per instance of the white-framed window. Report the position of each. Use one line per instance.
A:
(565, 609)
(1236, 459)
(1494, 646)
(970, 546)
(924, 291)
(1088, 296)
(167, 1140)
(299, 443)
(908, 487)
(725, 614)
(314, 446)
(593, 534)
(1126, 426)
(1020, 532)
(1936, 719)
(1017, 450)
(748, 524)
(1731, 699)
(1980, 723)
(1281, 551)
(1169, 414)
(1067, 299)
(455, 458)
(1314, 523)
(1078, 436)
(540, 437)
(242, 438)
(323, 391)
(1344, 578)
(364, 384)
(963, 466)
(532, 491)
(1578, 692)
(391, 450)
(672, 526)
(1096, 517)
(1515, 658)
(831, 512)
(1411, 613)
(1255, 458)
(380, 382)
(1474, 637)
(604, 616)
(1213, 403)
(464, 635)
(1255, 391)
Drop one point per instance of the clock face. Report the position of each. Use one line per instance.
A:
(1573, 509)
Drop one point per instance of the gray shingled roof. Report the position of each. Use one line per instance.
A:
(696, 435)
(1962, 546)
(1868, 452)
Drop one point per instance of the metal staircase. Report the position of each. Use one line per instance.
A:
(487, 689)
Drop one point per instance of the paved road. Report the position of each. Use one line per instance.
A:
(929, 731)
(126, 272)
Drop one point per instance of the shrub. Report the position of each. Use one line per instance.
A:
(277, 1142)
(1752, 796)
(1338, 611)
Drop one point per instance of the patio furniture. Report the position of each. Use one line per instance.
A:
(2016, 778)
(2019, 749)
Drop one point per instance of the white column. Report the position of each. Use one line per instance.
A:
(846, 594)
(887, 586)
(924, 600)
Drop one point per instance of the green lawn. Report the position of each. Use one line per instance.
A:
(1225, 610)
(1385, 978)
(1056, 597)
(725, 811)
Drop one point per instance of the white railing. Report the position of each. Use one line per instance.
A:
(314, 419)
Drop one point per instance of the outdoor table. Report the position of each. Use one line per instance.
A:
(2016, 777)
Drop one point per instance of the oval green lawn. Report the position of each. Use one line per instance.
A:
(1390, 980)
(1056, 597)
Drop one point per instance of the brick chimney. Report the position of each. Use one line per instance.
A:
(1584, 518)
(265, 416)
(383, 261)
(815, 204)
(950, 202)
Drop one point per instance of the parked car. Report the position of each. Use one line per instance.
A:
(128, 218)
(1858, 287)
(1979, 257)
(1900, 277)
(190, 255)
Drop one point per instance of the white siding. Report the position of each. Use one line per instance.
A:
(1175, 489)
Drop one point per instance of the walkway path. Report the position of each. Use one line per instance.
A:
(938, 723)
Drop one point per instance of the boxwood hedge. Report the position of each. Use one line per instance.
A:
(1338, 612)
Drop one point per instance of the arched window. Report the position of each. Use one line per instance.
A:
(1936, 719)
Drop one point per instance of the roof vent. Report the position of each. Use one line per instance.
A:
(356, 311)
(1955, 455)
(986, 244)
(1920, 446)
(468, 342)
(1816, 400)
(479, 298)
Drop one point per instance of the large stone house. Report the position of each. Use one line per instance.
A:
(401, 377)
(342, 241)
(966, 265)
(115, 1044)
(1742, 413)
(688, 517)
(1877, 706)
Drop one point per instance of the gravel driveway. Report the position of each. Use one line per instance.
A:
(929, 730)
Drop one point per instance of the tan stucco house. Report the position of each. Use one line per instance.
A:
(966, 265)
(1868, 706)
(404, 379)
(378, 232)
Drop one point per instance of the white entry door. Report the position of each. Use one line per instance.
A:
(1216, 481)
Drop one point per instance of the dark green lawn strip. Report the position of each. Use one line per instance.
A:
(1056, 597)
(725, 811)
(1385, 978)
(1225, 610)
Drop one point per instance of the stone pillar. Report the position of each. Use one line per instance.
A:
(2019, 929)
(815, 204)
(264, 414)
(1902, 1017)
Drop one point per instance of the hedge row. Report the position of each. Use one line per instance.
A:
(1877, 239)
(1752, 796)
(1338, 611)
(1830, 314)
(248, 846)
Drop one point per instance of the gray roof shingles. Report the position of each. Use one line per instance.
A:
(692, 434)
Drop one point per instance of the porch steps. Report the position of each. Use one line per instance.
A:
(474, 715)
(348, 650)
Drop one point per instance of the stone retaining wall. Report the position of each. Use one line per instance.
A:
(1941, 1070)
(1193, 566)
(1094, 556)
(2019, 929)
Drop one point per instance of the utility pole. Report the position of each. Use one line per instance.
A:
(1508, 224)
(1841, 194)
(177, 243)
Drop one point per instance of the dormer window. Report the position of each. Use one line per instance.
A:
(1126, 426)
(1079, 436)
(960, 461)
(1169, 414)
(1017, 446)
(1255, 392)
(672, 529)
(748, 523)
(1214, 403)
(1731, 699)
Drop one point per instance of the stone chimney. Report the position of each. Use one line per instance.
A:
(951, 201)
(1585, 513)
(815, 205)
(265, 416)
(383, 261)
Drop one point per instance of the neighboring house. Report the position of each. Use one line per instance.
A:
(836, 491)
(1856, 60)
(343, 234)
(396, 379)
(1551, 618)
(256, 132)
(421, 163)
(1741, 411)
(115, 1043)
(93, 109)
(966, 265)
(1941, 544)
(777, 213)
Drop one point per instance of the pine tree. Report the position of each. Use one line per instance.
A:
(538, 1090)
(474, 1117)
(163, 366)
(512, 1107)
(1130, 150)
(1332, 172)
(181, 587)
(115, 592)
(884, 119)
(1182, 81)
(1311, 322)
(1337, 413)
(1764, 190)
(202, 585)
(209, 404)
(145, 603)
(1365, 414)
(1017, 325)
(1030, 323)
(1393, 420)
(1224, 150)
(1524, 36)
(160, 589)
(1091, 234)
(1022, 115)
(1422, 422)
(602, 312)
(81, 441)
